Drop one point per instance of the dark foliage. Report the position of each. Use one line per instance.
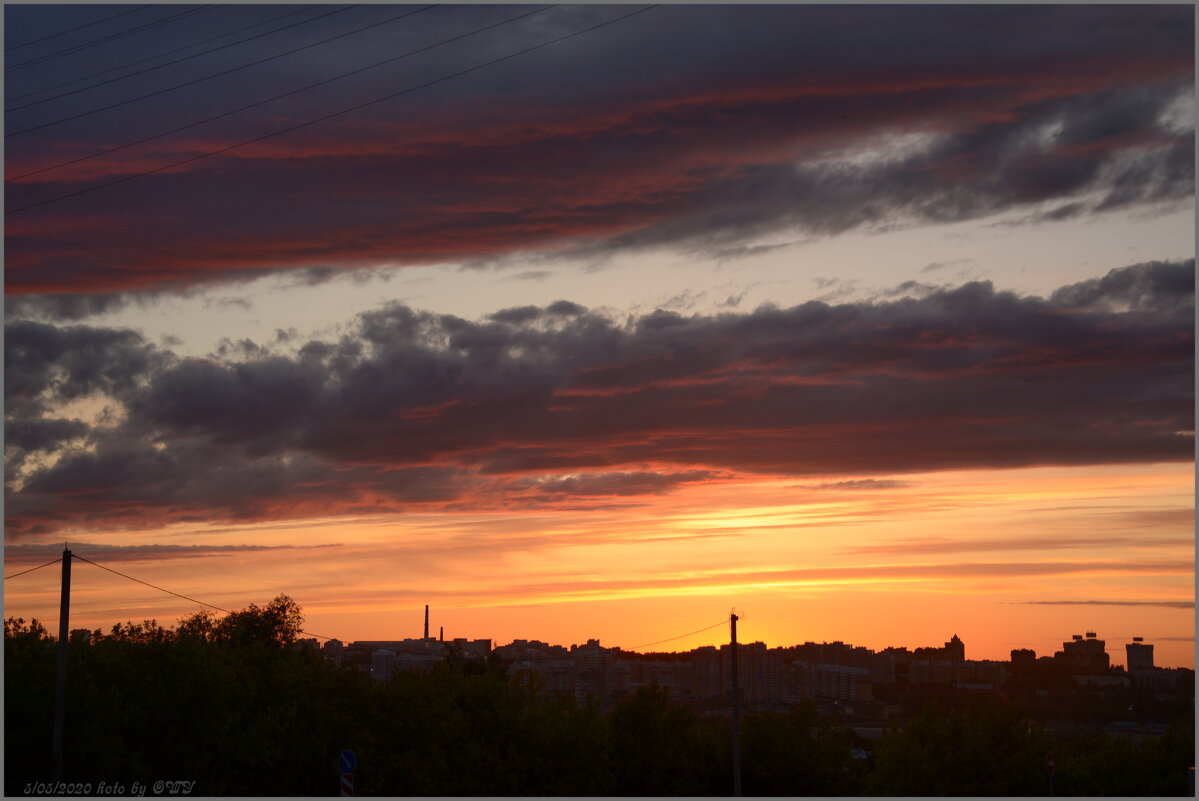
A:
(235, 705)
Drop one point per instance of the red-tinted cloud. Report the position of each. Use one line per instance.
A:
(695, 161)
(536, 407)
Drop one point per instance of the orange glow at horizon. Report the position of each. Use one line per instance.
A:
(1003, 558)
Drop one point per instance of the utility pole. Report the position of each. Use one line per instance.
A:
(60, 694)
(736, 709)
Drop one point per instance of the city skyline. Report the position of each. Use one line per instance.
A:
(873, 322)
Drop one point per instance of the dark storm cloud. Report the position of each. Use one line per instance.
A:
(43, 362)
(42, 434)
(125, 482)
(1153, 286)
(536, 405)
(756, 120)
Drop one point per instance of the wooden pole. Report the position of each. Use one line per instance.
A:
(736, 709)
(60, 692)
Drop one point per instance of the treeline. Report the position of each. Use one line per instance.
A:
(230, 704)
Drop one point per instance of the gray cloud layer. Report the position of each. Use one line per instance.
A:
(540, 405)
(751, 122)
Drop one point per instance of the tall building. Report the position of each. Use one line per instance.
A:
(1080, 653)
(382, 663)
(955, 650)
(706, 672)
(1140, 654)
(333, 650)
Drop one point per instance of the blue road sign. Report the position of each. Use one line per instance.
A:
(347, 761)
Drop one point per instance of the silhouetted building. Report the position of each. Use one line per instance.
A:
(931, 671)
(1023, 657)
(842, 682)
(1140, 654)
(1165, 682)
(955, 649)
(937, 665)
(901, 663)
(1082, 655)
(308, 643)
(333, 650)
(706, 672)
(478, 649)
(629, 671)
(383, 663)
(592, 669)
(952, 651)
(980, 674)
(1102, 680)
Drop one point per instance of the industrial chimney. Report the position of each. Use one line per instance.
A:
(426, 621)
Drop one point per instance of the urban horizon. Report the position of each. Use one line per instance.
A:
(711, 636)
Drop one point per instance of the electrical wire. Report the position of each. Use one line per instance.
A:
(153, 586)
(373, 650)
(109, 38)
(332, 115)
(179, 595)
(30, 570)
(681, 636)
(76, 28)
(193, 82)
(264, 101)
(276, 18)
(553, 657)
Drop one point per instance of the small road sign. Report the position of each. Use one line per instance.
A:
(347, 761)
(1049, 763)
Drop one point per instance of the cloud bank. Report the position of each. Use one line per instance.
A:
(814, 121)
(538, 406)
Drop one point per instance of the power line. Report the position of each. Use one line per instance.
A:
(30, 570)
(681, 636)
(397, 651)
(276, 18)
(264, 101)
(209, 77)
(152, 586)
(76, 28)
(109, 38)
(169, 592)
(330, 116)
(178, 595)
(568, 655)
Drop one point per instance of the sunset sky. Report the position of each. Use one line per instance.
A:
(875, 323)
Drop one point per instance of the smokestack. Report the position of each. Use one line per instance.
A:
(441, 634)
(426, 621)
